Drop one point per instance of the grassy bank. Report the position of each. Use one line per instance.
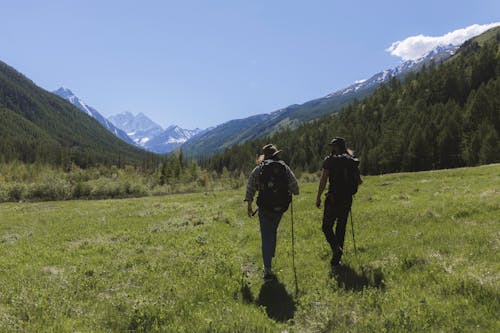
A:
(39, 182)
(428, 259)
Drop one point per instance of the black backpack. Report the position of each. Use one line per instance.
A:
(274, 195)
(347, 177)
(353, 177)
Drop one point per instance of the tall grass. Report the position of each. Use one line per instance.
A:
(428, 260)
(37, 182)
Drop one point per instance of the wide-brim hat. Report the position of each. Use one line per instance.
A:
(338, 141)
(270, 150)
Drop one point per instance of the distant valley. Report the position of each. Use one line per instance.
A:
(141, 131)
(137, 130)
(151, 136)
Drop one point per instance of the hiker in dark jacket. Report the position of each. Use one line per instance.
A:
(276, 183)
(340, 168)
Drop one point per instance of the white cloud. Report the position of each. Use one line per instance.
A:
(415, 47)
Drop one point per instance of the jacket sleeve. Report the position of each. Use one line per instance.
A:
(252, 185)
(293, 185)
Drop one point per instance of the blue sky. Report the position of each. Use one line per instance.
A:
(201, 63)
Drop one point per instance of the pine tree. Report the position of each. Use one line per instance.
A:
(490, 145)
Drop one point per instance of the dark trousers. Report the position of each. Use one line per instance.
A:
(336, 211)
(269, 222)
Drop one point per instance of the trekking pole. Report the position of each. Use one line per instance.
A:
(293, 253)
(352, 229)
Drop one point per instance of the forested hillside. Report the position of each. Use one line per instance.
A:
(239, 131)
(441, 117)
(36, 126)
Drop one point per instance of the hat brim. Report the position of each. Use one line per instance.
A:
(263, 157)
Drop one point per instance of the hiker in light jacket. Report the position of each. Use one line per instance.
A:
(275, 182)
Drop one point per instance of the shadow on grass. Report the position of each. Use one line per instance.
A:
(348, 279)
(246, 293)
(274, 297)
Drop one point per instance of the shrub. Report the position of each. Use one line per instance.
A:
(81, 190)
(51, 188)
(4, 192)
(105, 188)
(137, 189)
(16, 191)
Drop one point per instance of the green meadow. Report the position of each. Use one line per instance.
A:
(427, 259)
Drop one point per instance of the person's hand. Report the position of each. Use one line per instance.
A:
(249, 210)
(318, 202)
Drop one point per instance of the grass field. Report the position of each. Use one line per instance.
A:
(428, 259)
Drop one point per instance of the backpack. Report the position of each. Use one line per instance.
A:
(273, 187)
(347, 178)
(353, 177)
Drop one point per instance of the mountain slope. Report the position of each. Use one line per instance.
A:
(138, 127)
(233, 132)
(73, 136)
(151, 136)
(445, 116)
(22, 140)
(76, 101)
(170, 139)
(222, 136)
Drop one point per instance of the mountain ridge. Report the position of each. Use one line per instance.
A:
(52, 130)
(138, 127)
(68, 95)
(151, 136)
(224, 136)
(445, 116)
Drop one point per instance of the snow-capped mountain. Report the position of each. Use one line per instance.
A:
(170, 139)
(139, 127)
(240, 130)
(437, 55)
(79, 103)
(151, 136)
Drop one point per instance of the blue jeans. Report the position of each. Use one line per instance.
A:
(269, 222)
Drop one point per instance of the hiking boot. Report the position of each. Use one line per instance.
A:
(268, 275)
(335, 262)
(335, 267)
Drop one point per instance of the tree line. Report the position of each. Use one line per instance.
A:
(443, 116)
(38, 127)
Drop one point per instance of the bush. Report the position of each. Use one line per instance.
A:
(41, 182)
(51, 188)
(4, 193)
(137, 189)
(113, 188)
(104, 188)
(16, 191)
(81, 190)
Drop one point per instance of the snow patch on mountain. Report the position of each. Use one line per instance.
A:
(68, 95)
(438, 54)
(151, 136)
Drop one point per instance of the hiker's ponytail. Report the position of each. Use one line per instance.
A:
(259, 159)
